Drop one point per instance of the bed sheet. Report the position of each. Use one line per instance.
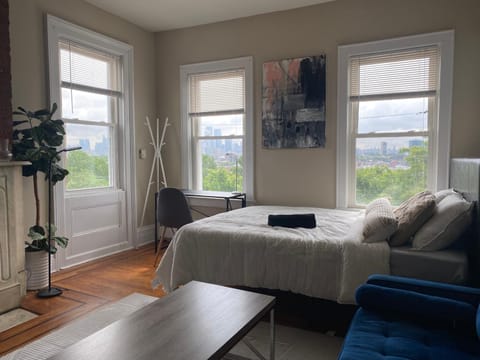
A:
(239, 248)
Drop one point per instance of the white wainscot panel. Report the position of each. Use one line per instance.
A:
(97, 226)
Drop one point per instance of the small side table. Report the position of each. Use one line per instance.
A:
(227, 196)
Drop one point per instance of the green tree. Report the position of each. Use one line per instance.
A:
(413, 179)
(208, 163)
(222, 178)
(87, 171)
(373, 182)
(396, 184)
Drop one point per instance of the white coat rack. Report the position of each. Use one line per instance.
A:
(157, 164)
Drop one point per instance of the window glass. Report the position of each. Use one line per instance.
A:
(90, 99)
(89, 167)
(222, 125)
(217, 91)
(216, 111)
(88, 106)
(222, 164)
(87, 67)
(392, 94)
(217, 125)
(393, 167)
(393, 115)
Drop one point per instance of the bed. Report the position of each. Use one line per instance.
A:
(238, 248)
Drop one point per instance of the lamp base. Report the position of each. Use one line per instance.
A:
(49, 292)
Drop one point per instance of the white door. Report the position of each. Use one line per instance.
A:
(89, 81)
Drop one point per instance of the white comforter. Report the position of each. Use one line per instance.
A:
(239, 248)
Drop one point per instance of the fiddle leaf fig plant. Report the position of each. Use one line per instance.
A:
(36, 138)
(39, 238)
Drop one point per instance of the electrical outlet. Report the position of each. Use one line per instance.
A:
(142, 153)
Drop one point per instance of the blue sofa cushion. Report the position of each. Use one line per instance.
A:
(374, 337)
(478, 322)
(416, 305)
(455, 292)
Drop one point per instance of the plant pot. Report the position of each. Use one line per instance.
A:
(36, 267)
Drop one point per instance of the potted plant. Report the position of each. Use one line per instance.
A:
(36, 138)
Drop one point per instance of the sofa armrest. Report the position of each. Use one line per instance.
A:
(415, 305)
(449, 291)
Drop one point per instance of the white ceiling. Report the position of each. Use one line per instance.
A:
(160, 15)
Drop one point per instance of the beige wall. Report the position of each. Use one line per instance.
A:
(29, 68)
(307, 176)
(295, 177)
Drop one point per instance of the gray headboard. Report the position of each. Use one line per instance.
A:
(465, 177)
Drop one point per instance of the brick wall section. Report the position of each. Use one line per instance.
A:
(5, 76)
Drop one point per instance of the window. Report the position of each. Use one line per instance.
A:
(217, 125)
(91, 80)
(90, 90)
(394, 122)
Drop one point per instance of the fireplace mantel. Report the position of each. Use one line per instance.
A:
(12, 249)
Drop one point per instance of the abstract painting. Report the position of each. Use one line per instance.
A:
(293, 103)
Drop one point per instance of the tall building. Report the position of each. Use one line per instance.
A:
(102, 148)
(416, 142)
(219, 149)
(85, 144)
(383, 148)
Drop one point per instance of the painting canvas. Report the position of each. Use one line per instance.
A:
(293, 97)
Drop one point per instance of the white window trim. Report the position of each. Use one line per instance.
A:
(186, 130)
(441, 143)
(58, 29)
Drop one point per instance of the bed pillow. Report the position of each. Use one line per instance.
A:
(451, 218)
(442, 194)
(411, 215)
(380, 222)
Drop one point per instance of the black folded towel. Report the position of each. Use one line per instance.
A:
(293, 221)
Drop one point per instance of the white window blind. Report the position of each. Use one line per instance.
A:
(219, 93)
(88, 70)
(395, 75)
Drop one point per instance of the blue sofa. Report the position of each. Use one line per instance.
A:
(402, 318)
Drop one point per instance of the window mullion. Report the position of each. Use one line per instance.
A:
(196, 154)
(90, 89)
(393, 134)
(351, 157)
(219, 137)
(394, 96)
(432, 144)
(218, 113)
(88, 122)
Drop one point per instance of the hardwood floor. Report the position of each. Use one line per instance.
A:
(89, 286)
(85, 288)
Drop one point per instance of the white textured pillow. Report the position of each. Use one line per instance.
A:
(442, 194)
(450, 219)
(411, 215)
(380, 222)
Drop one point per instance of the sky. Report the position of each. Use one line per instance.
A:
(393, 115)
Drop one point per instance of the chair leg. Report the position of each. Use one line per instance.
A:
(159, 250)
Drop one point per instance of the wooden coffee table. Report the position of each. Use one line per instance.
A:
(199, 321)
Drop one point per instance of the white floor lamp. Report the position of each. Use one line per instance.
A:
(51, 291)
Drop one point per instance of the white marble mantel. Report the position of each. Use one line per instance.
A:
(12, 249)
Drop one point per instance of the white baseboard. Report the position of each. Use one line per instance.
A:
(145, 235)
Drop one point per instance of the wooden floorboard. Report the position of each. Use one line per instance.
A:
(85, 288)
(91, 285)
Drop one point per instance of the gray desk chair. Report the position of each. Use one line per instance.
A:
(171, 211)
